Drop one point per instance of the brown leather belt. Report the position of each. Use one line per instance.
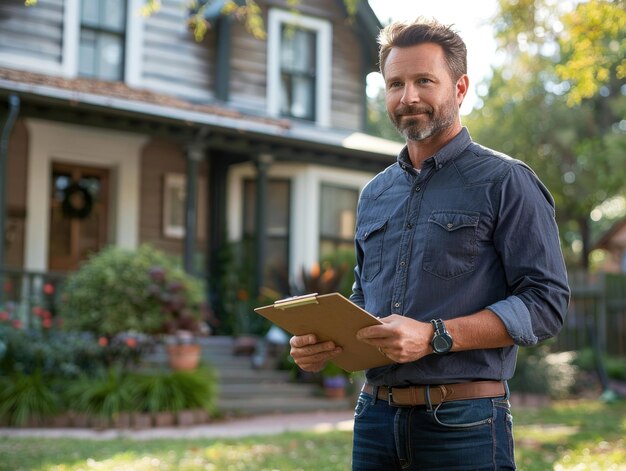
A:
(418, 395)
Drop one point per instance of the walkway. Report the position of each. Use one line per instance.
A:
(323, 421)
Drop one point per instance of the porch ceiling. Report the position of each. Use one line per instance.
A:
(116, 106)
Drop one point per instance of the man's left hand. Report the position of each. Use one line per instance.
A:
(399, 338)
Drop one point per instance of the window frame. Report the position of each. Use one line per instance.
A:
(323, 33)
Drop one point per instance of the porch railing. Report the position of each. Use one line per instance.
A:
(25, 295)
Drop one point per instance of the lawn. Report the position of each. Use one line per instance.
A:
(574, 436)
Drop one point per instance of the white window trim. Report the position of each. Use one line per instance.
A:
(276, 18)
(304, 223)
(132, 45)
(179, 180)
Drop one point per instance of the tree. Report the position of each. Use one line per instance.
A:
(558, 103)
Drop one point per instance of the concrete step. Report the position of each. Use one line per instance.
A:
(280, 404)
(244, 390)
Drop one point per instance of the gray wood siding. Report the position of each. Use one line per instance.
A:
(160, 157)
(172, 61)
(248, 86)
(33, 33)
(17, 165)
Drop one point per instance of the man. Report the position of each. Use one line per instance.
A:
(458, 254)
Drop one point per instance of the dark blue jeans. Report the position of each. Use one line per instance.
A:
(467, 435)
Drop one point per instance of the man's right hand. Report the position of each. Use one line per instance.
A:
(311, 355)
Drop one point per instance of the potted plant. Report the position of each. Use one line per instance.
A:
(335, 381)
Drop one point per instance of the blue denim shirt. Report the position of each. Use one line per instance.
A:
(474, 229)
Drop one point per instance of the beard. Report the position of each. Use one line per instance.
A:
(429, 124)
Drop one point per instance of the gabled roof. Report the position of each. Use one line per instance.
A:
(606, 239)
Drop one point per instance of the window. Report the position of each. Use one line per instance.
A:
(299, 67)
(174, 206)
(297, 73)
(337, 219)
(102, 36)
(277, 250)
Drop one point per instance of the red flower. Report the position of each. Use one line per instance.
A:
(131, 342)
(4, 316)
(46, 323)
(103, 342)
(46, 314)
(38, 311)
(48, 289)
(17, 324)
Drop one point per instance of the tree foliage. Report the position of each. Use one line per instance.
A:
(558, 104)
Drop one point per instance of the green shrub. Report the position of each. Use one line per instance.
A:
(539, 371)
(53, 353)
(615, 367)
(27, 396)
(174, 391)
(119, 290)
(104, 395)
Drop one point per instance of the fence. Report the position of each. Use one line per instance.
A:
(597, 312)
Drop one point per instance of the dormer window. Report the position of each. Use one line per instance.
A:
(102, 36)
(299, 67)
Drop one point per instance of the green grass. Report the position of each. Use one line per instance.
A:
(568, 436)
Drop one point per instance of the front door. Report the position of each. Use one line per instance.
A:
(78, 214)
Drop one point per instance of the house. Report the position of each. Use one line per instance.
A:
(613, 242)
(122, 129)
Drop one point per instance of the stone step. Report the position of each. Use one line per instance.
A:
(276, 404)
(244, 390)
(272, 389)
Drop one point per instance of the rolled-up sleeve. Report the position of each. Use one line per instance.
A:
(527, 240)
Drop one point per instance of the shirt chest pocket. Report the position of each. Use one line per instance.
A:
(370, 237)
(451, 245)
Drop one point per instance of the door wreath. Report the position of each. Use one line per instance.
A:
(77, 201)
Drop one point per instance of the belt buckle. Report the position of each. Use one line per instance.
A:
(391, 401)
(390, 397)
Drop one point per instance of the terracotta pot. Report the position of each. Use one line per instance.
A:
(184, 356)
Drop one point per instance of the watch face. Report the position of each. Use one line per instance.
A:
(442, 343)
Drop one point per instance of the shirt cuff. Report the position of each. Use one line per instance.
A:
(516, 318)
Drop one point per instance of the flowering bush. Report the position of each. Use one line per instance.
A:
(120, 290)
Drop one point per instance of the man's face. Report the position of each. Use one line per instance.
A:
(421, 98)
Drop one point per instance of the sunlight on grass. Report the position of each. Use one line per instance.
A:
(569, 436)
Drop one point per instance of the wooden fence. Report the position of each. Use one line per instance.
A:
(597, 312)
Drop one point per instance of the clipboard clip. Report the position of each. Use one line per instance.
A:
(296, 301)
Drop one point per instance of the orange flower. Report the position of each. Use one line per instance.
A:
(46, 323)
(48, 289)
(131, 342)
(17, 324)
(103, 342)
(242, 295)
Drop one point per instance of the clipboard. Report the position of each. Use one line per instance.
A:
(329, 317)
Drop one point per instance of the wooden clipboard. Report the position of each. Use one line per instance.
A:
(329, 317)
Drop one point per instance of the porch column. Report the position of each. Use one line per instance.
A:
(194, 155)
(263, 163)
(14, 109)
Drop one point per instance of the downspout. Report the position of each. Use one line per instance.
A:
(14, 109)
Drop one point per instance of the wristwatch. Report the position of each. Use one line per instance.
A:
(442, 341)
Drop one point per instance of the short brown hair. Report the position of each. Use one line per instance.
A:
(403, 34)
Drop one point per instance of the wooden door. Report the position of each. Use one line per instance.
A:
(78, 214)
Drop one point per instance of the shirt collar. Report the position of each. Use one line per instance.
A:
(444, 155)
